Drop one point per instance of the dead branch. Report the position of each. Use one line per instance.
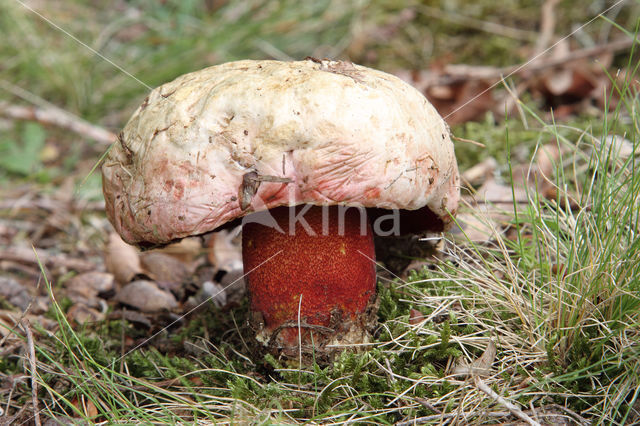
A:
(469, 141)
(513, 409)
(59, 118)
(547, 25)
(32, 368)
(492, 414)
(50, 204)
(477, 24)
(25, 255)
(457, 73)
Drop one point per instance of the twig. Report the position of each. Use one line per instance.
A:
(22, 314)
(122, 340)
(59, 118)
(571, 413)
(486, 26)
(18, 254)
(420, 420)
(457, 73)
(388, 364)
(32, 368)
(481, 385)
(50, 204)
(469, 141)
(494, 414)
(547, 25)
(428, 405)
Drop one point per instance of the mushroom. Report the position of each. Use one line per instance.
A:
(313, 158)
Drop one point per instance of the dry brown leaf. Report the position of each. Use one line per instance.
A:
(165, 268)
(415, 317)
(60, 263)
(498, 193)
(14, 317)
(467, 101)
(225, 250)
(186, 250)
(121, 259)
(14, 292)
(559, 80)
(91, 410)
(131, 316)
(213, 292)
(619, 146)
(234, 285)
(90, 284)
(86, 406)
(146, 297)
(81, 314)
(196, 381)
(547, 158)
(538, 176)
(480, 366)
(575, 84)
(492, 205)
(470, 227)
(458, 101)
(481, 172)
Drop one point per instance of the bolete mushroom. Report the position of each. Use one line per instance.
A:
(288, 149)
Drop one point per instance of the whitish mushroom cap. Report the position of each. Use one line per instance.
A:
(217, 144)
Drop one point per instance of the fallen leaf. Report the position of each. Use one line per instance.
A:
(480, 366)
(539, 175)
(416, 265)
(469, 100)
(196, 381)
(122, 259)
(415, 317)
(558, 81)
(481, 172)
(14, 292)
(82, 314)
(472, 228)
(225, 250)
(547, 158)
(89, 285)
(458, 101)
(498, 193)
(573, 85)
(186, 250)
(165, 268)
(60, 420)
(146, 297)
(234, 285)
(85, 405)
(13, 317)
(619, 146)
(131, 316)
(90, 409)
(210, 292)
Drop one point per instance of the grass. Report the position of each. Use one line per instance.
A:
(558, 292)
(566, 335)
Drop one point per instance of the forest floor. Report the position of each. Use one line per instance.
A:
(526, 312)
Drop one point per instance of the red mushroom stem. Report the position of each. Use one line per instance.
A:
(322, 276)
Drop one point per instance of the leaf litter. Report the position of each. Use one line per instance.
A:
(112, 280)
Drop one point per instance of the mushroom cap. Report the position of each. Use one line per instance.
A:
(217, 144)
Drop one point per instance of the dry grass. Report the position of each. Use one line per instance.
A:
(557, 292)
